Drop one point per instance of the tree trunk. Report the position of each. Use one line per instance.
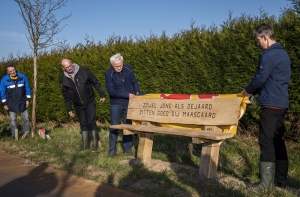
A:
(34, 94)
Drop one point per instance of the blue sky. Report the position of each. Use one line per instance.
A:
(100, 19)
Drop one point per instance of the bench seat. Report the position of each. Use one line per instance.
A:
(203, 134)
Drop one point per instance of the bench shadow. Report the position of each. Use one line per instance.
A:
(179, 182)
(181, 177)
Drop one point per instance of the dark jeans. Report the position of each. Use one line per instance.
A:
(116, 111)
(86, 116)
(271, 132)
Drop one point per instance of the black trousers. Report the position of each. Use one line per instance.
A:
(86, 116)
(271, 132)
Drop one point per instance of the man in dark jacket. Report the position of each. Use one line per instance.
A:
(15, 96)
(271, 82)
(121, 85)
(77, 84)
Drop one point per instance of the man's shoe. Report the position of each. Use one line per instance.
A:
(111, 155)
(129, 154)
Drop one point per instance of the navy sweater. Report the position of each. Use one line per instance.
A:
(120, 84)
(272, 78)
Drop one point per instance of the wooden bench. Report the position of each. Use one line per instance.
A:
(203, 120)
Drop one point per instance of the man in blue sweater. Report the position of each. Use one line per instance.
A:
(271, 83)
(121, 85)
(15, 96)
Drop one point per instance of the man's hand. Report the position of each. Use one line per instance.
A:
(102, 100)
(245, 93)
(131, 95)
(71, 114)
(5, 107)
(27, 104)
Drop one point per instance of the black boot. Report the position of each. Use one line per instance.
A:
(85, 140)
(281, 171)
(267, 174)
(95, 140)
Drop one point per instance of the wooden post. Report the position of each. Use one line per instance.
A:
(145, 145)
(209, 159)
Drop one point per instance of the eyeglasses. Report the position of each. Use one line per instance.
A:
(68, 67)
(117, 65)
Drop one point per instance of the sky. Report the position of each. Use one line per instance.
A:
(100, 19)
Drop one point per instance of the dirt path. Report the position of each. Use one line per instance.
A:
(20, 177)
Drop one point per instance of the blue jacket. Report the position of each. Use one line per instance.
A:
(272, 78)
(14, 94)
(119, 85)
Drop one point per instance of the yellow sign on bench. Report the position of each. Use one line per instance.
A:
(198, 112)
(227, 128)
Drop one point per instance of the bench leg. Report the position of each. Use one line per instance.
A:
(145, 147)
(209, 159)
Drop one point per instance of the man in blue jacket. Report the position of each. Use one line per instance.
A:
(121, 85)
(15, 96)
(271, 82)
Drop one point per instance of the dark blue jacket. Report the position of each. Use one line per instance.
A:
(272, 78)
(14, 94)
(120, 84)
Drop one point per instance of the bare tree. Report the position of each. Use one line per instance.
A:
(42, 26)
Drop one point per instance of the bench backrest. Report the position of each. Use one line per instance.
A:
(219, 111)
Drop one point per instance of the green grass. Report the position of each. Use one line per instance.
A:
(238, 163)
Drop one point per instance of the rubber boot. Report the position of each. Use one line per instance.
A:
(95, 140)
(281, 171)
(267, 174)
(85, 140)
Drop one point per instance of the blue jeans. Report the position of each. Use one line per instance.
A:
(13, 121)
(116, 111)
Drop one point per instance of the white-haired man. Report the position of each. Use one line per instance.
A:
(121, 85)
